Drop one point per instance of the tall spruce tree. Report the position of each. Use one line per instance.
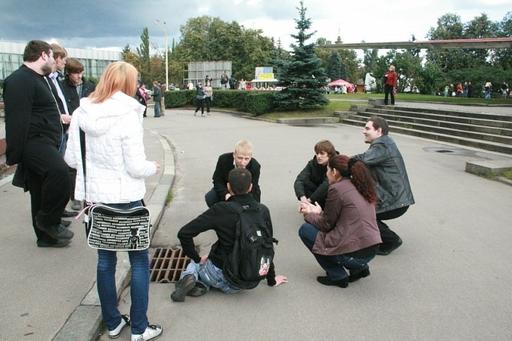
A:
(302, 77)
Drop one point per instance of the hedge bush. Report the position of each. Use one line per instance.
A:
(254, 102)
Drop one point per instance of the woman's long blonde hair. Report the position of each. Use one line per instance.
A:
(119, 76)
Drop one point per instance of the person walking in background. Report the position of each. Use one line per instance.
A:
(116, 167)
(34, 134)
(487, 90)
(390, 79)
(470, 89)
(142, 96)
(199, 99)
(157, 98)
(208, 96)
(344, 234)
(75, 87)
(388, 169)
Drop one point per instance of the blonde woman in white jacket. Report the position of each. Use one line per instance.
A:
(116, 166)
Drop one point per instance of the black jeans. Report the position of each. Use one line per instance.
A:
(389, 237)
(388, 90)
(48, 183)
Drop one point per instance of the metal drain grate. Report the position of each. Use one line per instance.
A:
(167, 264)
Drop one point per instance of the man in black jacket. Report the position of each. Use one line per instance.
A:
(388, 169)
(206, 271)
(240, 158)
(33, 135)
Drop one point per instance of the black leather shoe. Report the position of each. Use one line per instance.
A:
(385, 250)
(69, 214)
(56, 231)
(342, 283)
(65, 223)
(183, 287)
(58, 243)
(358, 274)
(198, 290)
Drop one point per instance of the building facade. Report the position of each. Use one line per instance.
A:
(94, 60)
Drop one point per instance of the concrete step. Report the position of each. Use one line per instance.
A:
(468, 119)
(491, 116)
(471, 142)
(300, 121)
(501, 135)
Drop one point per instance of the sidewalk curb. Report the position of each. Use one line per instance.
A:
(84, 323)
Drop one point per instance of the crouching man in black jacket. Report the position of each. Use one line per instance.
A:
(205, 272)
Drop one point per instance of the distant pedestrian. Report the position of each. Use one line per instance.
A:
(33, 135)
(470, 89)
(157, 98)
(390, 79)
(487, 90)
(141, 96)
(199, 99)
(393, 188)
(208, 96)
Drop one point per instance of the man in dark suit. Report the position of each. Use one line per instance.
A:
(240, 158)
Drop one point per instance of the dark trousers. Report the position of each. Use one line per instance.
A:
(388, 90)
(211, 198)
(48, 183)
(200, 105)
(389, 238)
(207, 102)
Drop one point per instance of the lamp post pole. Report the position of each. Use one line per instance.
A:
(163, 23)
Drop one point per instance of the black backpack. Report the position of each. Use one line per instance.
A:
(253, 248)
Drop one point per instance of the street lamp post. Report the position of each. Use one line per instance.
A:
(163, 23)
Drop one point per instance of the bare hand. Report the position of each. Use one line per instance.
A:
(65, 118)
(157, 165)
(228, 195)
(203, 259)
(280, 279)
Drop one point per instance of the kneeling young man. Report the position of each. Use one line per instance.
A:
(205, 272)
(240, 158)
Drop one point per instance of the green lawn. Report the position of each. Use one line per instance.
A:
(344, 102)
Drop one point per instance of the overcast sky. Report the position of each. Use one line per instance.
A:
(115, 23)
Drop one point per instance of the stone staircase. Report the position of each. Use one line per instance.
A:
(479, 130)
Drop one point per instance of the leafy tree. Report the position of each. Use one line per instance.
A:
(335, 69)
(302, 77)
(211, 39)
(348, 59)
(128, 56)
(503, 57)
(143, 53)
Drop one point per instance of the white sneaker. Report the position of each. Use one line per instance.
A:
(152, 332)
(125, 321)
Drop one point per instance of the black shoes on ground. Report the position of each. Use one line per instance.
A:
(57, 231)
(342, 283)
(183, 287)
(57, 244)
(356, 275)
(385, 250)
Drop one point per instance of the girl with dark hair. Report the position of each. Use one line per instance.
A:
(345, 233)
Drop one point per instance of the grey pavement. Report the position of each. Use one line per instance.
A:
(50, 293)
(449, 281)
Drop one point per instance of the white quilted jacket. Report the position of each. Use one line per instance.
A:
(115, 159)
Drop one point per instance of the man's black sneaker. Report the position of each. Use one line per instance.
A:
(58, 243)
(198, 290)
(65, 223)
(325, 280)
(56, 231)
(358, 274)
(385, 250)
(183, 287)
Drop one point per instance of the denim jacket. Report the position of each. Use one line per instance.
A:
(388, 169)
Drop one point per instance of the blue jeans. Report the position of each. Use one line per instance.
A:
(139, 285)
(334, 265)
(210, 276)
(157, 109)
